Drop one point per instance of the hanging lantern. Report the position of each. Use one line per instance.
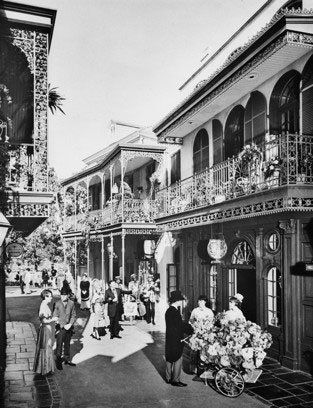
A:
(149, 248)
(217, 249)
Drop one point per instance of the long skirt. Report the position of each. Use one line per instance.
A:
(44, 357)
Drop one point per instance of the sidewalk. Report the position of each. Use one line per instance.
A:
(129, 372)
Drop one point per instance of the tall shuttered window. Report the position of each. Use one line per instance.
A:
(175, 167)
(201, 151)
(307, 98)
(255, 119)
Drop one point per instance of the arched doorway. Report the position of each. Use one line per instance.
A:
(242, 278)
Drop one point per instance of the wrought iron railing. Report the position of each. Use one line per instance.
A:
(21, 170)
(281, 160)
(129, 210)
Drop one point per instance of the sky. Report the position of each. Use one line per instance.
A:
(125, 60)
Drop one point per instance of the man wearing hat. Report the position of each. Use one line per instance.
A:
(174, 334)
(65, 311)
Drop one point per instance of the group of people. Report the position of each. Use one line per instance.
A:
(177, 330)
(57, 322)
(56, 326)
(28, 279)
(137, 301)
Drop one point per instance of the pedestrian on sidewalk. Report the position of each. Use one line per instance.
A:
(84, 293)
(97, 311)
(19, 278)
(113, 297)
(44, 357)
(65, 312)
(174, 334)
(27, 280)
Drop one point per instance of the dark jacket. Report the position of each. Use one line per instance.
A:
(175, 330)
(65, 314)
(113, 307)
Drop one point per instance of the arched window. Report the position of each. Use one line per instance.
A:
(307, 98)
(201, 151)
(255, 119)
(217, 141)
(274, 296)
(95, 193)
(234, 132)
(284, 104)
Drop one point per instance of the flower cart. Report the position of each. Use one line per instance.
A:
(230, 352)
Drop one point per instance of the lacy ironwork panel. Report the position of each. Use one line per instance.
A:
(281, 160)
(35, 47)
(28, 210)
(258, 209)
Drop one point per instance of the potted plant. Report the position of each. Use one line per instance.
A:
(273, 167)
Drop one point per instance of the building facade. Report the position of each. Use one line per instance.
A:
(26, 34)
(239, 202)
(109, 208)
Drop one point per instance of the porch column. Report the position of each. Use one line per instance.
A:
(102, 258)
(123, 256)
(88, 260)
(122, 185)
(75, 259)
(111, 259)
(111, 195)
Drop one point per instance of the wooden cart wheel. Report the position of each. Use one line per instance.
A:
(229, 382)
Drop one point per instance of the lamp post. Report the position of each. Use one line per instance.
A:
(4, 228)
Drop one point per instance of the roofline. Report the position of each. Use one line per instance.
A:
(109, 157)
(269, 32)
(32, 10)
(225, 44)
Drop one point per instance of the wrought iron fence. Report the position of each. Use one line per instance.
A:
(281, 160)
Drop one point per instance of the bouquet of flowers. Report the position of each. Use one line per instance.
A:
(239, 344)
(273, 164)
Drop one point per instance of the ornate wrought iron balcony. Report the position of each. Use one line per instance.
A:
(281, 161)
(118, 211)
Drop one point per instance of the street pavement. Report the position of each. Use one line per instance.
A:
(127, 372)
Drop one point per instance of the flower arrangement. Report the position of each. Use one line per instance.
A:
(249, 157)
(272, 165)
(239, 344)
(306, 162)
(250, 153)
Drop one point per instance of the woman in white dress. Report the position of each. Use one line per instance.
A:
(202, 312)
(97, 310)
(234, 312)
(199, 315)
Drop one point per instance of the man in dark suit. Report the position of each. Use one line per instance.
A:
(113, 297)
(174, 334)
(65, 311)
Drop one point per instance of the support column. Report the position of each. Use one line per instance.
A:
(102, 258)
(111, 259)
(88, 259)
(75, 265)
(123, 256)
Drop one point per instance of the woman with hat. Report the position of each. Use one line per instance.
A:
(174, 334)
(234, 312)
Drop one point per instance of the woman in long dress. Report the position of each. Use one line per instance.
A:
(84, 293)
(44, 357)
(234, 312)
(97, 310)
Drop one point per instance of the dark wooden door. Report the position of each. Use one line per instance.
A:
(246, 285)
